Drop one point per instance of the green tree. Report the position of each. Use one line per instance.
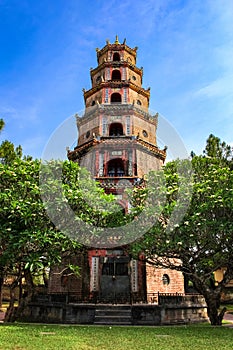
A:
(202, 241)
(2, 124)
(8, 152)
(216, 148)
(78, 205)
(29, 241)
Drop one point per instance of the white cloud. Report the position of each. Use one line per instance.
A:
(217, 88)
(23, 114)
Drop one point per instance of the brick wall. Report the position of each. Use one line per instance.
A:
(140, 125)
(156, 280)
(63, 281)
(147, 162)
(92, 126)
(135, 97)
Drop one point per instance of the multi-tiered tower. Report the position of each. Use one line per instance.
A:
(117, 144)
(117, 135)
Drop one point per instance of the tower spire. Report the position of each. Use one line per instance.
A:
(116, 41)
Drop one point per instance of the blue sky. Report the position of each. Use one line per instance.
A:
(48, 47)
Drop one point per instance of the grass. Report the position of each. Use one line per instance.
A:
(62, 337)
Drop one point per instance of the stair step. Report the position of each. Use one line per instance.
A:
(127, 318)
(110, 323)
(113, 312)
(113, 307)
(113, 315)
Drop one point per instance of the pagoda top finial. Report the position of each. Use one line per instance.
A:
(116, 41)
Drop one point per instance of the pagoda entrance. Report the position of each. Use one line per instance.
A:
(115, 280)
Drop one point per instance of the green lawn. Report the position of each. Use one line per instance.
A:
(55, 337)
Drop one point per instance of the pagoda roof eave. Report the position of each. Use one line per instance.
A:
(116, 47)
(132, 141)
(106, 108)
(110, 63)
(116, 84)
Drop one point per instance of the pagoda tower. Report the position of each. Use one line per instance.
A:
(117, 135)
(117, 144)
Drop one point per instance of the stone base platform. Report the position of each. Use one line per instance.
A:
(125, 314)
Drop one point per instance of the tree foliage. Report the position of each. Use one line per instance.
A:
(1, 124)
(216, 148)
(203, 239)
(8, 152)
(29, 241)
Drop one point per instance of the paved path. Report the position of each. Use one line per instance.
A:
(228, 317)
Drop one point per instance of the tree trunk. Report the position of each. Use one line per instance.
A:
(45, 279)
(13, 313)
(1, 290)
(213, 304)
(29, 282)
(212, 295)
(11, 307)
(25, 298)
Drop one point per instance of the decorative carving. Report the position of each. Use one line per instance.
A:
(94, 282)
(134, 275)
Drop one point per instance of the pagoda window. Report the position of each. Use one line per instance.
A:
(116, 74)
(116, 168)
(116, 57)
(115, 97)
(98, 79)
(166, 279)
(116, 129)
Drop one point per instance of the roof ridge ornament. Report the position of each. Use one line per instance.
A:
(117, 40)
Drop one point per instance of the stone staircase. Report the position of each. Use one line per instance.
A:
(113, 315)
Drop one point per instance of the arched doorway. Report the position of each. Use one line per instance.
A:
(115, 97)
(116, 129)
(116, 57)
(116, 74)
